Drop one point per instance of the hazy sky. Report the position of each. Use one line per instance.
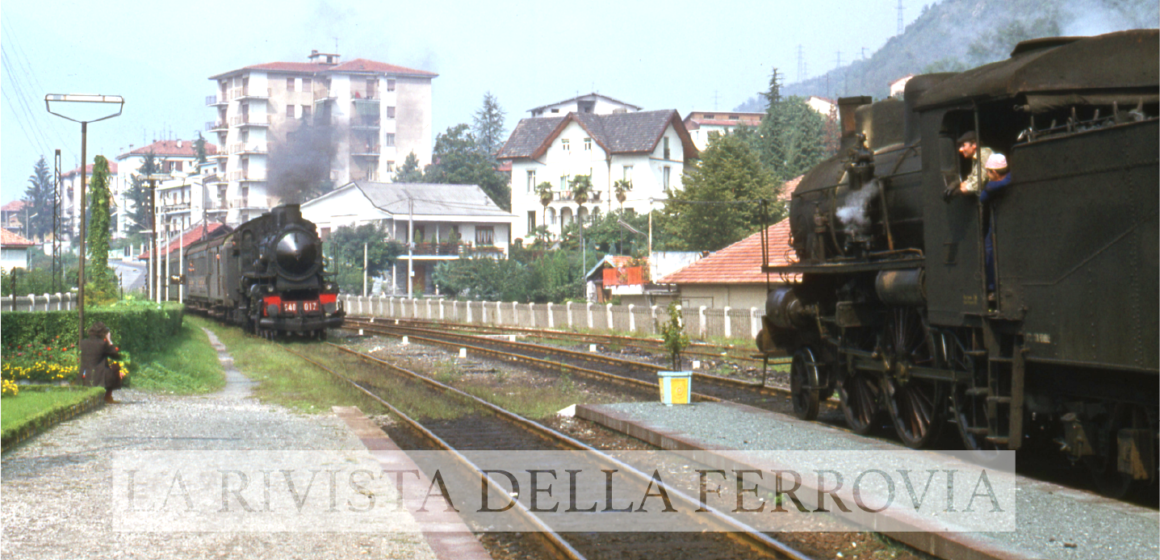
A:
(678, 54)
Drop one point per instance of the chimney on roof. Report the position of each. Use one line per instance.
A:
(315, 56)
(179, 143)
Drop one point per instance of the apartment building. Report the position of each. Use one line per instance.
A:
(176, 158)
(377, 113)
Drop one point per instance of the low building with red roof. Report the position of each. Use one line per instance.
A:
(13, 250)
(11, 216)
(732, 277)
(187, 238)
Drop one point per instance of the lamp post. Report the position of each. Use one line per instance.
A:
(92, 101)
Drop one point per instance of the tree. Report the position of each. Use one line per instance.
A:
(345, 248)
(488, 126)
(101, 277)
(38, 202)
(199, 146)
(139, 194)
(544, 191)
(792, 137)
(719, 203)
(459, 160)
(409, 172)
(581, 186)
(621, 188)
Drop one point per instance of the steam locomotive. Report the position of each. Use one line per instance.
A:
(892, 309)
(266, 276)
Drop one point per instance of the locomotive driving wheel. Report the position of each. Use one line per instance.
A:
(915, 404)
(804, 382)
(861, 398)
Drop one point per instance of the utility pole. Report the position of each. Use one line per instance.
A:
(364, 270)
(56, 222)
(411, 246)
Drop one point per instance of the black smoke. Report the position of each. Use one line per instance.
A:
(300, 164)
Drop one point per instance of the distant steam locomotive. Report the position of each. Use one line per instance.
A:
(266, 276)
(892, 310)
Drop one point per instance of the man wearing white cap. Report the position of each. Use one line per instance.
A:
(998, 179)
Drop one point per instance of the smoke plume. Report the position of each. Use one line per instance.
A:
(854, 212)
(299, 166)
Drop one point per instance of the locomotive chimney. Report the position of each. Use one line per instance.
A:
(846, 108)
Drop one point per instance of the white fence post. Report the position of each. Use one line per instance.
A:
(753, 324)
(47, 301)
(631, 318)
(515, 314)
(728, 323)
(551, 320)
(31, 303)
(499, 313)
(455, 310)
(652, 313)
(532, 313)
(428, 302)
(468, 304)
(588, 310)
(415, 307)
(440, 310)
(569, 306)
(611, 325)
(392, 304)
(701, 314)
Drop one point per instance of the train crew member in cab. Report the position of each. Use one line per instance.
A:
(971, 151)
(95, 353)
(998, 177)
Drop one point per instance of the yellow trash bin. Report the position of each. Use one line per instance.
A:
(675, 386)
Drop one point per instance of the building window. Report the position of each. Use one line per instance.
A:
(564, 145)
(390, 84)
(390, 140)
(306, 111)
(307, 84)
(179, 165)
(289, 111)
(289, 84)
(390, 167)
(708, 117)
(666, 147)
(627, 173)
(371, 88)
(531, 180)
(531, 221)
(665, 179)
(563, 182)
(484, 235)
(390, 112)
(587, 144)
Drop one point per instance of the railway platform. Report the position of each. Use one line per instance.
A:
(60, 489)
(1052, 521)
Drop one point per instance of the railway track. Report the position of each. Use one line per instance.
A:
(643, 344)
(637, 375)
(480, 424)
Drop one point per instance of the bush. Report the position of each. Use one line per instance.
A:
(137, 325)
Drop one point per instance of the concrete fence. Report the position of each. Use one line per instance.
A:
(43, 302)
(700, 322)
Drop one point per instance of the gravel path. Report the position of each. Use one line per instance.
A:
(57, 488)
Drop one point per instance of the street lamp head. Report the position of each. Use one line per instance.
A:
(93, 100)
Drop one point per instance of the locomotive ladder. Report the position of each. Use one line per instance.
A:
(1004, 391)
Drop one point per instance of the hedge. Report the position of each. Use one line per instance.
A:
(136, 327)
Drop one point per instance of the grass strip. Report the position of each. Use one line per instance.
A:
(187, 366)
(286, 379)
(35, 410)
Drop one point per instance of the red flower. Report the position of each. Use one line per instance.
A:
(20, 353)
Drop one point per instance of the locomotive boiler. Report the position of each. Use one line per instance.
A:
(266, 276)
(892, 310)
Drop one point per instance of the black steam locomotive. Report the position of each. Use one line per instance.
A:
(266, 276)
(892, 309)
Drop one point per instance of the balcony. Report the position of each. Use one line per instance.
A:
(453, 249)
(214, 100)
(244, 175)
(361, 95)
(244, 148)
(178, 207)
(364, 124)
(216, 126)
(250, 120)
(366, 150)
(249, 93)
(566, 196)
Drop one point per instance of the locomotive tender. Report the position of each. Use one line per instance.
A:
(892, 309)
(266, 276)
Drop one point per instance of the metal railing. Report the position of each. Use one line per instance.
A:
(248, 119)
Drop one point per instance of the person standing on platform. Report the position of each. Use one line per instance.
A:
(95, 353)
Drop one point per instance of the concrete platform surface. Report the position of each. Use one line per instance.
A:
(1053, 521)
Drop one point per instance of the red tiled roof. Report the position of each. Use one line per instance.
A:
(170, 148)
(9, 239)
(14, 206)
(195, 234)
(364, 65)
(739, 263)
(89, 170)
(356, 65)
(787, 190)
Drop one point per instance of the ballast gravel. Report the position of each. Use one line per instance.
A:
(56, 489)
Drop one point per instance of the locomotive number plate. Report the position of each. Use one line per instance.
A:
(309, 306)
(290, 307)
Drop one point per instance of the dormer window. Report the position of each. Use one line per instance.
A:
(564, 145)
(587, 144)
